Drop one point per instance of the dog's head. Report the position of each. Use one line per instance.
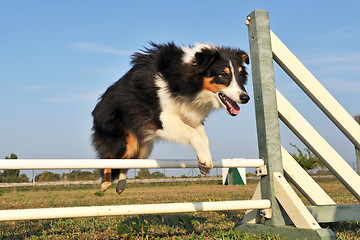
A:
(224, 74)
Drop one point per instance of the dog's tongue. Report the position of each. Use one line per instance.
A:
(231, 107)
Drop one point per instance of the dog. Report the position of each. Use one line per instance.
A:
(167, 94)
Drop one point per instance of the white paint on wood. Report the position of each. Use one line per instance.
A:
(317, 144)
(292, 204)
(313, 88)
(253, 215)
(303, 181)
(122, 163)
(97, 211)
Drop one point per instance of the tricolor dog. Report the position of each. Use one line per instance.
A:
(167, 94)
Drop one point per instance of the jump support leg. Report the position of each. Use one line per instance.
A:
(267, 124)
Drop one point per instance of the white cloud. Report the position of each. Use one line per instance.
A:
(84, 97)
(337, 71)
(345, 32)
(94, 47)
(335, 57)
(340, 69)
(33, 88)
(342, 85)
(341, 63)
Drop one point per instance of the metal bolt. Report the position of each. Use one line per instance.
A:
(247, 22)
(262, 212)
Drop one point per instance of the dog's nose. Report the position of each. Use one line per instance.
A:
(244, 98)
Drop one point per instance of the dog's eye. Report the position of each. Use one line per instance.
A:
(224, 75)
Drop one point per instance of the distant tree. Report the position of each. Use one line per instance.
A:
(47, 176)
(143, 174)
(11, 172)
(13, 175)
(157, 174)
(77, 175)
(96, 173)
(307, 160)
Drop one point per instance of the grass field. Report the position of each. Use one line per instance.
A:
(199, 225)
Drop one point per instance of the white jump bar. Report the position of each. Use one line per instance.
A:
(97, 211)
(122, 163)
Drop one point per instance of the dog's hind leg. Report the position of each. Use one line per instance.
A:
(132, 150)
(121, 185)
(110, 147)
(105, 179)
(142, 152)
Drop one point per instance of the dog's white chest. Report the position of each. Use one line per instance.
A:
(191, 113)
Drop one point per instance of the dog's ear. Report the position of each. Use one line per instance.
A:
(243, 55)
(205, 58)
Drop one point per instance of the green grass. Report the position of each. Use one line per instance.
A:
(199, 225)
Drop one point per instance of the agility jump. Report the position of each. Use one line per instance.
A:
(287, 210)
(275, 206)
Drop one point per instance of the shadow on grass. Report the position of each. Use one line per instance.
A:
(159, 226)
(104, 228)
(171, 226)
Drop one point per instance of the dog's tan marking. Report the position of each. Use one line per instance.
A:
(210, 86)
(132, 146)
(245, 58)
(106, 180)
(240, 69)
(227, 70)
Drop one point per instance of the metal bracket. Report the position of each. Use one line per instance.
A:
(261, 171)
(265, 214)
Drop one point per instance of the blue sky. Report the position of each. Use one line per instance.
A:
(57, 57)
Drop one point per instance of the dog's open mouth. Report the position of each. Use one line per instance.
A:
(230, 106)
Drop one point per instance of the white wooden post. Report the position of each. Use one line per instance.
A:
(357, 149)
(313, 88)
(317, 144)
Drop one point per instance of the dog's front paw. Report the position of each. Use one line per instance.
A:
(204, 170)
(205, 164)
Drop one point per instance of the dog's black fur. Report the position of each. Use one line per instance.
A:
(129, 112)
